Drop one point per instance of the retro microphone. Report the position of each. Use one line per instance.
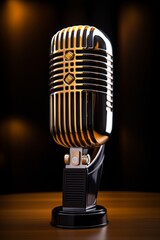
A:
(81, 114)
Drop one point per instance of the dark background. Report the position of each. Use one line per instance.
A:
(29, 158)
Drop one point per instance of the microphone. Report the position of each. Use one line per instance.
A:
(81, 116)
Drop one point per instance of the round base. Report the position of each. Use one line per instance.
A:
(91, 219)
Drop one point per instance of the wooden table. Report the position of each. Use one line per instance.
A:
(132, 215)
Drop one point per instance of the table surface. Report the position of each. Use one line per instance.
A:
(132, 215)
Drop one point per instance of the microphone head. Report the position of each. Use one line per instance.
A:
(81, 87)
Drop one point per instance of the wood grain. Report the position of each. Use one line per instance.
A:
(132, 215)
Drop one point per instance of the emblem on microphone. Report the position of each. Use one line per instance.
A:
(69, 78)
(69, 55)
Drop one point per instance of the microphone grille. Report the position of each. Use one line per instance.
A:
(81, 71)
(79, 52)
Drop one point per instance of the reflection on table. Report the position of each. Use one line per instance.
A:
(132, 215)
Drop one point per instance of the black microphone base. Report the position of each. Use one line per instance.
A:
(90, 219)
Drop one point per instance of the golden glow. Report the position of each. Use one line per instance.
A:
(15, 129)
(132, 24)
(16, 13)
(97, 45)
(134, 40)
(129, 22)
(18, 16)
(101, 139)
(64, 121)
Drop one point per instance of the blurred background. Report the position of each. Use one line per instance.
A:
(29, 158)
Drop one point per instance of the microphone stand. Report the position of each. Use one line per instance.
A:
(81, 178)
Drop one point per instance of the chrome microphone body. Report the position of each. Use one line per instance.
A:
(81, 87)
(81, 116)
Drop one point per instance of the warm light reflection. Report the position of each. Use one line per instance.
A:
(17, 130)
(131, 19)
(134, 31)
(16, 12)
(18, 15)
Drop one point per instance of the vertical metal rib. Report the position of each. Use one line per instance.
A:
(55, 121)
(59, 39)
(87, 105)
(69, 38)
(55, 40)
(81, 36)
(65, 102)
(75, 94)
(84, 139)
(60, 120)
(64, 120)
(69, 118)
(69, 143)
